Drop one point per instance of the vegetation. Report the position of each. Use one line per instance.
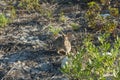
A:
(29, 5)
(75, 26)
(3, 20)
(94, 62)
(62, 17)
(98, 22)
(55, 31)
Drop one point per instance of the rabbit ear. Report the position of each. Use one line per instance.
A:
(67, 35)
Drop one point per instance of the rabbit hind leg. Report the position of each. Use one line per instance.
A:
(61, 51)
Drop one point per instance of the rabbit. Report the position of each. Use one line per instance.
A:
(62, 44)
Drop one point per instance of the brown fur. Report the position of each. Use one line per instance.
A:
(62, 44)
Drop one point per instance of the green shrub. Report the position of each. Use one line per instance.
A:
(75, 26)
(54, 30)
(97, 22)
(3, 20)
(29, 5)
(114, 12)
(94, 62)
(62, 17)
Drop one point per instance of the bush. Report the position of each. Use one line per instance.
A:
(3, 20)
(95, 62)
(101, 22)
(55, 31)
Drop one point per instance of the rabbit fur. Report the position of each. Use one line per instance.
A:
(62, 44)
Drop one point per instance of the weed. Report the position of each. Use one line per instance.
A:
(97, 22)
(3, 20)
(94, 62)
(62, 17)
(75, 26)
(114, 12)
(29, 4)
(54, 30)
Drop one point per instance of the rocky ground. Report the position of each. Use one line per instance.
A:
(25, 46)
(25, 52)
